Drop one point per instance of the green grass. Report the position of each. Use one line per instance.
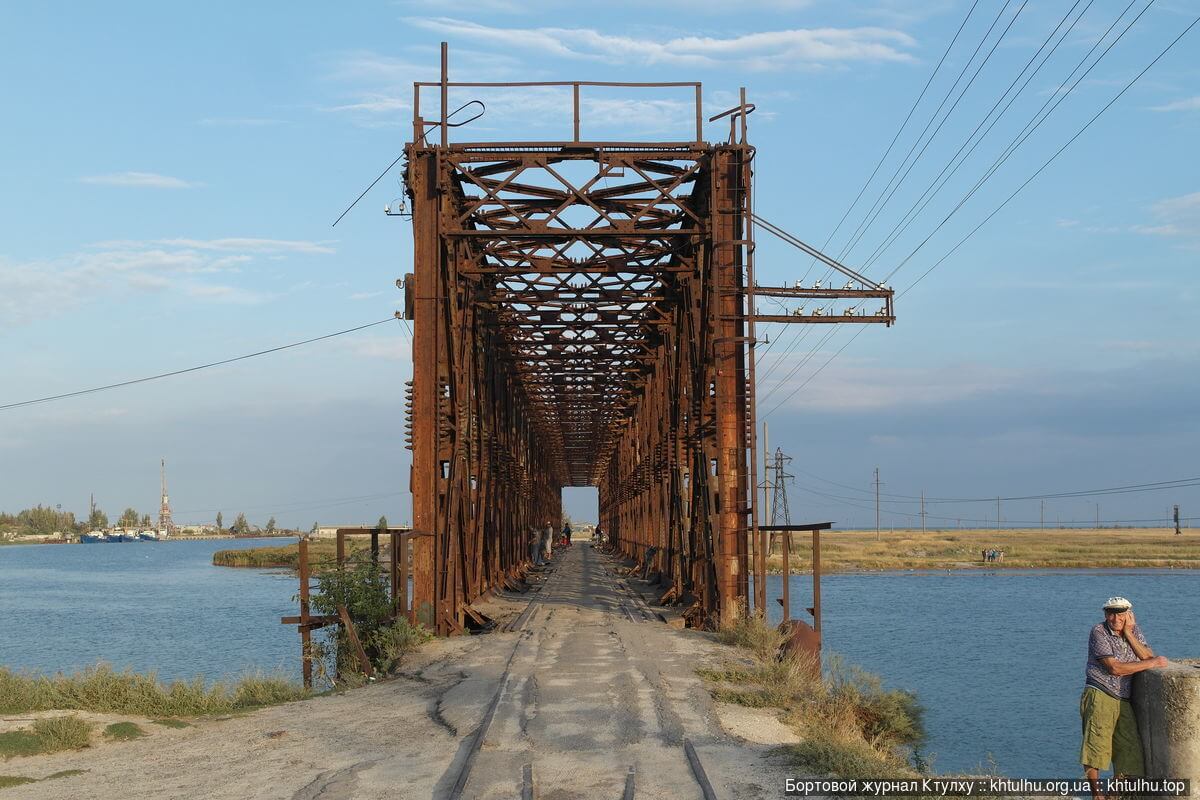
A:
(66, 773)
(124, 731)
(171, 723)
(850, 726)
(14, 780)
(49, 735)
(102, 689)
(19, 780)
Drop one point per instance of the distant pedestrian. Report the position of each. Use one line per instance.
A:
(1116, 650)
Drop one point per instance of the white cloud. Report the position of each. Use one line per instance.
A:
(141, 180)
(226, 294)
(535, 6)
(390, 348)
(374, 104)
(851, 386)
(365, 295)
(754, 51)
(252, 245)
(240, 122)
(1176, 216)
(1187, 104)
(38, 289)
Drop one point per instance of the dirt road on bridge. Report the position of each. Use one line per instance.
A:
(585, 701)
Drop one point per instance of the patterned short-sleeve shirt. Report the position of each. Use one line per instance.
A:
(1104, 644)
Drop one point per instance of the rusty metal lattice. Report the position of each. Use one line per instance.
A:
(583, 316)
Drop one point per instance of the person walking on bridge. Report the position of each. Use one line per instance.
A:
(1116, 650)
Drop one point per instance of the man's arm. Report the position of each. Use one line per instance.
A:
(1119, 668)
(1140, 648)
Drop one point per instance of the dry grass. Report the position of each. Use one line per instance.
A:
(848, 551)
(322, 553)
(100, 688)
(850, 726)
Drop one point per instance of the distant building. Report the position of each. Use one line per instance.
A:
(330, 531)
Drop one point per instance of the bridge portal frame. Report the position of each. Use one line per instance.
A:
(572, 332)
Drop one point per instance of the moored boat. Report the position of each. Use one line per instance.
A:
(148, 536)
(93, 537)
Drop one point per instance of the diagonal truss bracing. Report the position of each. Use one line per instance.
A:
(582, 317)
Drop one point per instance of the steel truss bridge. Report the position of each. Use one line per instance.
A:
(584, 315)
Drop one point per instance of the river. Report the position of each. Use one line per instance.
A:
(996, 657)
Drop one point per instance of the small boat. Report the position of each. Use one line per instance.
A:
(148, 536)
(93, 537)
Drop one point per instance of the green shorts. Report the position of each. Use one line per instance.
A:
(1109, 733)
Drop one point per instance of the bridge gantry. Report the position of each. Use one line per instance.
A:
(584, 316)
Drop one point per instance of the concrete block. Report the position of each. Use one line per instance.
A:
(1167, 704)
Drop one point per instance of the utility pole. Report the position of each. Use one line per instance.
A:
(922, 511)
(1177, 531)
(766, 472)
(877, 504)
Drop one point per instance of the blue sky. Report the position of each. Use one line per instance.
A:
(171, 173)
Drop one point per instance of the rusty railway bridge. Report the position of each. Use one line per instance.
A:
(584, 315)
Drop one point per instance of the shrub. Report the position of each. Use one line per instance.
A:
(124, 731)
(48, 735)
(364, 591)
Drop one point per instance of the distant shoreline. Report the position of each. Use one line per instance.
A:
(857, 551)
(1014, 549)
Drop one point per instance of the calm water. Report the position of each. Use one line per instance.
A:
(152, 606)
(996, 658)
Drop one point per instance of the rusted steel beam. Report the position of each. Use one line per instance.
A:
(584, 315)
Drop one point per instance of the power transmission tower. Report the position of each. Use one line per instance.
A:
(922, 511)
(780, 514)
(877, 485)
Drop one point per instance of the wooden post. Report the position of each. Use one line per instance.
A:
(341, 548)
(404, 577)
(375, 548)
(816, 568)
(305, 633)
(787, 576)
(394, 571)
(357, 645)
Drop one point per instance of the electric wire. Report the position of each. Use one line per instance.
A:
(951, 168)
(1052, 158)
(871, 220)
(899, 131)
(1035, 122)
(992, 170)
(988, 521)
(767, 348)
(197, 368)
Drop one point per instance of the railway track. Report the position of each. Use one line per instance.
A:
(630, 607)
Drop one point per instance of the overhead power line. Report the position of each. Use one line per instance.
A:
(1007, 200)
(197, 368)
